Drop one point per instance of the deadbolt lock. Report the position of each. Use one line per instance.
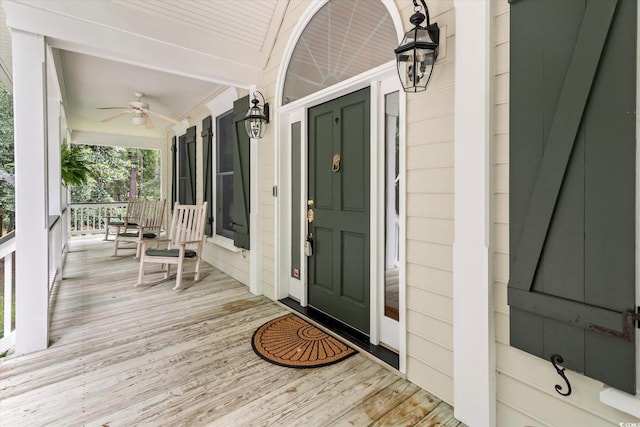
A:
(310, 203)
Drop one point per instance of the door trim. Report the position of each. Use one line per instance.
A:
(389, 326)
(474, 347)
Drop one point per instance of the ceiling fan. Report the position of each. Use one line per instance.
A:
(139, 111)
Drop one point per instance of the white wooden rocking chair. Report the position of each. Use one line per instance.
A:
(184, 243)
(129, 220)
(148, 228)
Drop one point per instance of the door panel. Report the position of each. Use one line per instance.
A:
(339, 267)
(353, 273)
(353, 161)
(322, 155)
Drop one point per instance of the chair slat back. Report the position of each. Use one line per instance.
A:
(135, 210)
(153, 213)
(187, 224)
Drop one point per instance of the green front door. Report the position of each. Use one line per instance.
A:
(339, 188)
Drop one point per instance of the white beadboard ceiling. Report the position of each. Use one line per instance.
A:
(236, 21)
(176, 52)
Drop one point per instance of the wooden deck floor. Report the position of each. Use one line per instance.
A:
(125, 356)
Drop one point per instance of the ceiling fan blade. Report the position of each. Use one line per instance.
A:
(122, 113)
(163, 117)
(148, 124)
(112, 108)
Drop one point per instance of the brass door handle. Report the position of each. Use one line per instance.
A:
(310, 215)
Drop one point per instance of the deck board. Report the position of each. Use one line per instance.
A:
(122, 355)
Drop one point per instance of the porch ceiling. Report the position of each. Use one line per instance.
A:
(176, 53)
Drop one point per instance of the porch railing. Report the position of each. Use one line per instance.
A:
(7, 260)
(91, 218)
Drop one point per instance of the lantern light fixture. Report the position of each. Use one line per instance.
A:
(418, 51)
(255, 122)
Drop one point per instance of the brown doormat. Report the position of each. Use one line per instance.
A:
(293, 342)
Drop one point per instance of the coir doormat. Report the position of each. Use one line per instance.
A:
(293, 342)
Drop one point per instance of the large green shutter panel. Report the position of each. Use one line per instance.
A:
(572, 183)
(241, 175)
(207, 178)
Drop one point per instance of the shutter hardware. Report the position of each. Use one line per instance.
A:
(628, 320)
(555, 359)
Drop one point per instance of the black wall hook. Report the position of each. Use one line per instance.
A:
(556, 358)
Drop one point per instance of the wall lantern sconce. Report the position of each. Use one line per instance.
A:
(255, 122)
(418, 51)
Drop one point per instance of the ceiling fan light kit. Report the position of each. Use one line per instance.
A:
(140, 113)
(139, 120)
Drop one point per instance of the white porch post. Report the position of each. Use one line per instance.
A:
(30, 97)
(255, 265)
(473, 317)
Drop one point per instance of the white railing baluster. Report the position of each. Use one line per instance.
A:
(91, 218)
(8, 293)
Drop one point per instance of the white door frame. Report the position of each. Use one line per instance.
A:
(389, 331)
(297, 109)
(380, 81)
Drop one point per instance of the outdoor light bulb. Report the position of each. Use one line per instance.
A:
(255, 128)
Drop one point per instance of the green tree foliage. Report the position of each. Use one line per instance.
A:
(7, 193)
(112, 168)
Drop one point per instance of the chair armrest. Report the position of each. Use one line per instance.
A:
(154, 241)
(189, 242)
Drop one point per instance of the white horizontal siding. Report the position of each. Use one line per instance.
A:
(430, 135)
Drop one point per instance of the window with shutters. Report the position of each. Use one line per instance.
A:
(224, 175)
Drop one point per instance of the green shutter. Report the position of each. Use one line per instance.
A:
(182, 169)
(241, 175)
(191, 166)
(174, 178)
(572, 183)
(207, 167)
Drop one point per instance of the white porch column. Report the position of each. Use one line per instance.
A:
(473, 318)
(255, 264)
(30, 97)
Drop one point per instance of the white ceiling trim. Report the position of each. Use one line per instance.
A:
(274, 30)
(107, 139)
(94, 38)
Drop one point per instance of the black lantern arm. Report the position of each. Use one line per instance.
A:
(419, 15)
